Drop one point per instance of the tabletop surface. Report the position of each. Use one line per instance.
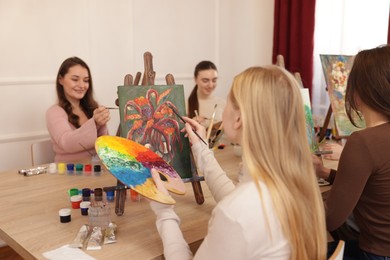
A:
(30, 224)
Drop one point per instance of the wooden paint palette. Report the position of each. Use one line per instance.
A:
(131, 163)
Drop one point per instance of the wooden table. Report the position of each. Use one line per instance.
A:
(29, 220)
(30, 224)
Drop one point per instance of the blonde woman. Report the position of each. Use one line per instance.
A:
(276, 211)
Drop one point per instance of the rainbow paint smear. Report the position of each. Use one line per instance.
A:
(131, 163)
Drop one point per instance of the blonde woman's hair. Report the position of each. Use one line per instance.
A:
(276, 151)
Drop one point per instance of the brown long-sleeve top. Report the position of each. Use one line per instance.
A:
(362, 186)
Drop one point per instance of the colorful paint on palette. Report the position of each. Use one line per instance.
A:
(131, 163)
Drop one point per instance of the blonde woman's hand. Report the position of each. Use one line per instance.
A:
(200, 119)
(101, 115)
(191, 126)
(156, 206)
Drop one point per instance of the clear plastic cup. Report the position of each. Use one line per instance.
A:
(99, 214)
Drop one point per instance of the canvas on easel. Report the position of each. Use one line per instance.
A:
(310, 132)
(147, 119)
(149, 116)
(336, 69)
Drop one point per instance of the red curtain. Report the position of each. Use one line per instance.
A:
(294, 36)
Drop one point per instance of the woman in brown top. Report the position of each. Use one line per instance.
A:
(362, 183)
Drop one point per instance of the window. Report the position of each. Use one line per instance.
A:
(344, 27)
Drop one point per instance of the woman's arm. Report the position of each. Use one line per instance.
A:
(102, 130)
(167, 223)
(67, 136)
(218, 182)
(354, 169)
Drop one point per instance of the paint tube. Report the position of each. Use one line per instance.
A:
(95, 240)
(109, 234)
(33, 171)
(81, 237)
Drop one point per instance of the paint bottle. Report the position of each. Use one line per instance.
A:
(110, 195)
(52, 168)
(87, 169)
(65, 215)
(97, 165)
(61, 168)
(70, 168)
(86, 193)
(134, 195)
(76, 200)
(84, 207)
(79, 168)
(98, 194)
(97, 169)
(73, 191)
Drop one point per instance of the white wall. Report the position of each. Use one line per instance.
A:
(112, 36)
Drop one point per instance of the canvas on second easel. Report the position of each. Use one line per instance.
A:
(336, 69)
(147, 119)
(311, 136)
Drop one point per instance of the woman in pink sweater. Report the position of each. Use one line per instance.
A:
(76, 120)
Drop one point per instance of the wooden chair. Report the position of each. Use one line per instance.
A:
(339, 252)
(42, 152)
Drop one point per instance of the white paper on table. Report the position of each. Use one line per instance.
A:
(66, 253)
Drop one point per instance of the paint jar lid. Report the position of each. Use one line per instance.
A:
(52, 168)
(79, 167)
(64, 212)
(85, 204)
(76, 198)
(70, 166)
(86, 192)
(110, 192)
(98, 192)
(61, 166)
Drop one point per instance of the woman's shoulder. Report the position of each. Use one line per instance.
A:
(246, 195)
(371, 133)
(55, 110)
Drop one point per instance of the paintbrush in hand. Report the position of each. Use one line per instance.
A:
(211, 123)
(182, 119)
(217, 136)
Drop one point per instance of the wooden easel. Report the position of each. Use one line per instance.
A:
(297, 75)
(326, 123)
(148, 79)
(280, 63)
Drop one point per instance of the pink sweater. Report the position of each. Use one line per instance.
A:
(66, 138)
